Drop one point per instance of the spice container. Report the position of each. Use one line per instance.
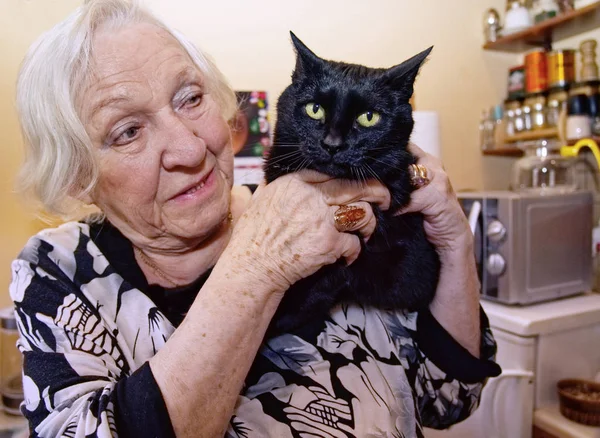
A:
(579, 124)
(535, 106)
(509, 116)
(589, 67)
(536, 71)
(517, 17)
(557, 99)
(595, 114)
(543, 171)
(544, 10)
(561, 68)
(516, 82)
(491, 25)
(11, 387)
(514, 121)
(527, 109)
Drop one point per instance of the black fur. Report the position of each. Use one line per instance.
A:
(398, 268)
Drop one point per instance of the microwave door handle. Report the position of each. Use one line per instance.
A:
(474, 215)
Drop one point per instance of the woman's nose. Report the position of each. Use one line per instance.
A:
(183, 146)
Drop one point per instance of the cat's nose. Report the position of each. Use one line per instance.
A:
(333, 143)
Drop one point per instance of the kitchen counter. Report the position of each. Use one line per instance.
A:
(551, 421)
(543, 318)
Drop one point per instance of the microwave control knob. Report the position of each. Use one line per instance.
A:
(495, 231)
(496, 264)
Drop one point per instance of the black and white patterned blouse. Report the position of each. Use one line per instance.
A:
(89, 322)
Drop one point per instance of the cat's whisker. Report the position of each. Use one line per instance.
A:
(372, 172)
(383, 148)
(364, 176)
(294, 164)
(386, 163)
(284, 157)
(290, 153)
(248, 173)
(354, 175)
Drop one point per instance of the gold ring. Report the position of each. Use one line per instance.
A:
(418, 175)
(347, 216)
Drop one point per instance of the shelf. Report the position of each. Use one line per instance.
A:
(512, 151)
(538, 134)
(505, 152)
(555, 29)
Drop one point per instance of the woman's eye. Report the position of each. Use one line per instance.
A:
(194, 100)
(127, 136)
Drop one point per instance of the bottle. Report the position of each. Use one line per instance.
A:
(499, 130)
(486, 130)
(579, 123)
(595, 113)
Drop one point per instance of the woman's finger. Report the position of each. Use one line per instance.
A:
(357, 217)
(416, 150)
(350, 247)
(343, 192)
(424, 158)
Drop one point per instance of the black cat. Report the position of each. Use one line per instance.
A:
(354, 122)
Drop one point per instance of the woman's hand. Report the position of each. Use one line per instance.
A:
(456, 302)
(446, 225)
(288, 231)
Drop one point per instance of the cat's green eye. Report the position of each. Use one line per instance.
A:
(368, 119)
(315, 111)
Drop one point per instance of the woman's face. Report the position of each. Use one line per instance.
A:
(162, 145)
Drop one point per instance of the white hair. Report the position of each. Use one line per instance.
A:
(59, 163)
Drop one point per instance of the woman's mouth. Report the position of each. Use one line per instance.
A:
(199, 190)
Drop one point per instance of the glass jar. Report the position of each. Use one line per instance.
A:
(11, 386)
(535, 106)
(557, 99)
(543, 171)
(526, 116)
(510, 121)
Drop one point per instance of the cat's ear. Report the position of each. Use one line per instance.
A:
(402, 76)
(306, 60)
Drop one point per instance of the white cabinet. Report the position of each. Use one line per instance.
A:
(537, 346)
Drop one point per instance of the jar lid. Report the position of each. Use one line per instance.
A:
(7, 318)
(578, 105)
(594, 100)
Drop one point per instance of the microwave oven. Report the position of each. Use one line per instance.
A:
(531, 248)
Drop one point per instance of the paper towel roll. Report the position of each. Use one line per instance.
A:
(426, 133)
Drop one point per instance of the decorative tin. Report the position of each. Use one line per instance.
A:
(536, 71)
(561, 68)
(516, 82)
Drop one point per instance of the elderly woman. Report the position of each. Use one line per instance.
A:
(150, 319)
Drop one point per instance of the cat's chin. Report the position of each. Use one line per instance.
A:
(335, 170)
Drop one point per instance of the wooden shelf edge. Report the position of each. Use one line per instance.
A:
(506, 152)
(541, 134)
(539, 34)
(516, 152)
